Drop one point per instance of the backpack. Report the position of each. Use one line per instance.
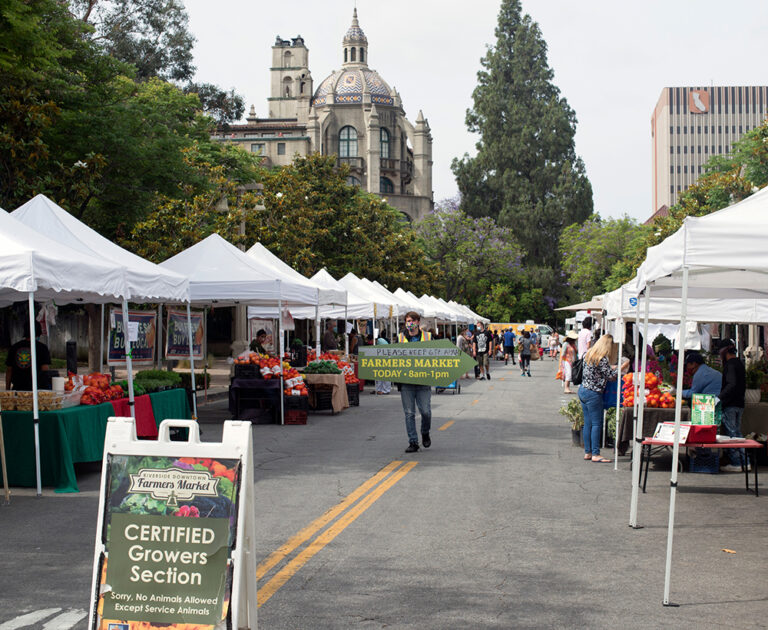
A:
(577, 371)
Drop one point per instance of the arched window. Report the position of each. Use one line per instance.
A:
(348, 142)
(362, 55)
(287, 59)
(384, 143)
(345, 55)
(386, 185)
(353, 51)
(287, 86)
(353, 181)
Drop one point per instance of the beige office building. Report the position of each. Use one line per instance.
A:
(691, 124)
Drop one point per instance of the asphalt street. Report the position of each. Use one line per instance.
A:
(500, 524)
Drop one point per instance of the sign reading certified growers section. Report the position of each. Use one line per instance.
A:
(437, 363)
(169, 537)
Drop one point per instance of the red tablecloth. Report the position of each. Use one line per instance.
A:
(145, 417)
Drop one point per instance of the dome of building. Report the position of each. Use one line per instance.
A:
(348, 85)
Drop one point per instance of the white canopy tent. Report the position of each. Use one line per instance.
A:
(325, 295)
(384, 306)
(219, 273)
(145, 281)
(35, 266)
(721, 255)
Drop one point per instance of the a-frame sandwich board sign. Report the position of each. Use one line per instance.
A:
(175, 536)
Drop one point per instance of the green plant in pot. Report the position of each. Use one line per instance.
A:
(755, 377)
(575, 417)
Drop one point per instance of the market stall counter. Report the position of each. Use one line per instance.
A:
(74, 435)
(335, 383)
(651, 417)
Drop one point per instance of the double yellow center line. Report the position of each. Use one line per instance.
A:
(370, 491)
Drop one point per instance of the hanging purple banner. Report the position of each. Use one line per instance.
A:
(177, 337)
(142, 330)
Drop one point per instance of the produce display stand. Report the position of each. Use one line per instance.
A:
(250, 398)
(333, 382)
(70, 436)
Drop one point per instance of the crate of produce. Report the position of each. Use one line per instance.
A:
(8, 401)
(705, 460)
(296, 403)
(353, 394)
(295, 416)
(247, 370)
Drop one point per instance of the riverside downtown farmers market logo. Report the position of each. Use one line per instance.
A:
(170, 527)
(436, 363)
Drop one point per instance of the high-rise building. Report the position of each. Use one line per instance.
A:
(691, 124)
(353, 114)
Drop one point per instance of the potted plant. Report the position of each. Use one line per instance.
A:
(575, 417)
(754, 379)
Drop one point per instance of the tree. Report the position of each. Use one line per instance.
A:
(151, 35)
(591, 250)
(224, 107)
(471, 253)
(526, 174)
(506, 302)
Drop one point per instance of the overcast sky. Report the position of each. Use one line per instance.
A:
(611, 60)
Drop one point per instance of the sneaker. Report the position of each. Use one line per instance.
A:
(489, 376)
(529, 373)
(733, 468)
(412, 448)
(482, 378)
(426, 442)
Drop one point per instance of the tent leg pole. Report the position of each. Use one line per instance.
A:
(346, 334)
(280, 350)
(35, 402)
(192, 363)
(620, 321)
(101, 343)
(638, 438)
(676, 442)
(317, 332)
(128, 359)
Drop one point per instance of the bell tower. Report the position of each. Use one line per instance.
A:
(291, 80)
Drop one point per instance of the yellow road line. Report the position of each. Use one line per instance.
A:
(475, 401)
(290, 569)
(502, 378)
(315, 526)
(446, 425)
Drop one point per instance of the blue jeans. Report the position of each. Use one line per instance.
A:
(732, 427)
(592, 407)
(412, 395)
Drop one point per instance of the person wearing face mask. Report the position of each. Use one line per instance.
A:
(413, 395)
(483, 350)
(329, 337)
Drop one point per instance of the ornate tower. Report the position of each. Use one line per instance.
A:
(291, 79)
(355, 45)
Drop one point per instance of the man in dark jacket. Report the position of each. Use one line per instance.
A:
(732, 401)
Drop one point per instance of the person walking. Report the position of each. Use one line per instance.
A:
(416, 395)
(597, 372)
(464, 343)
(382, 387)
(554, 342)
(525, 353)
(585, 337)
(567, 358)
(509, 346)
(483, 350)
(734, 384)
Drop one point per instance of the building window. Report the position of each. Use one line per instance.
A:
(258, 148)
(287, 86)
(287, 59)
(671, 172)
(678, 172)
(671, 131)
(671, 151)
(348, 141)
(281, 148)
(384, 143)
(671, 192)
(719, 148)
(678, 133)
(678, 152)
(345, 61)
(362, 55)
(685, 169)
(733, 128)
(386, 185)
(706, 150)
(353, 54)
(698, 150)
(719, 130)
(699, 170)
(706, 129)
(698, 130)
(353, 181)
(685, 149)
(685, 128)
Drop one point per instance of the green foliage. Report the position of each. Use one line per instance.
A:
(526, 174)
(222, 106)
(311, 218)
(573, 413)
(506, 302)
(471, 253)
(755, 377)
(591, 250)
(159, 375)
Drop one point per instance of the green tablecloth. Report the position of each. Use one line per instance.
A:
(68, 436)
